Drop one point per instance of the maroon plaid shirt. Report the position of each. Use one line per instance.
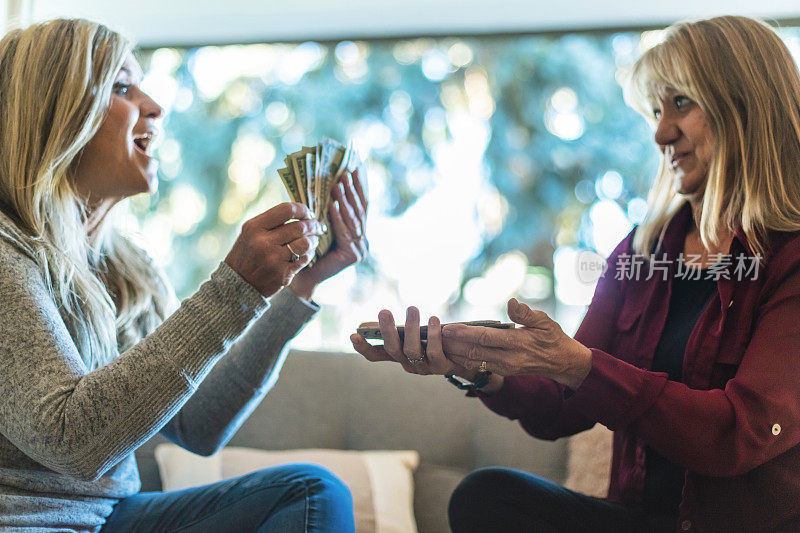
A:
(734, 421)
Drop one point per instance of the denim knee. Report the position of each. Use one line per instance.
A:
(469, 500)
(307, 480)
(318, 478)
(476, 485)
(330, 504)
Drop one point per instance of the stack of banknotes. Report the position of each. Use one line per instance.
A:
(311, 174)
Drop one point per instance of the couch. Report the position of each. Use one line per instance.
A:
(341, 401)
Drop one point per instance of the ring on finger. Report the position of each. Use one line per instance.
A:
(295, 256)
(419, 360)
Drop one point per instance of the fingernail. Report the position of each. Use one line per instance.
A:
(447, 332)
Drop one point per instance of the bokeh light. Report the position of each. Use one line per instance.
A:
(493, 164)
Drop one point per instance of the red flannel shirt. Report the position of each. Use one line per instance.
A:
(734, 421)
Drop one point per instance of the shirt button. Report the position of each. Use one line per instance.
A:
(776, 429)
(686, 525)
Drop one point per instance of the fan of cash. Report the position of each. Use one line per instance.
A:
(310, 176)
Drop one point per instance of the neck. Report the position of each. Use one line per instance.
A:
(95, 214)
(697, 210)
(723, 238)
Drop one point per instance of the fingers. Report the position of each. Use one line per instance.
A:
(282, 213)
(347, 211)
(525, 316)
(393, 345)
(370, 352)
(437, 362)
(294, 230)
(357, 248)
(477, 335)
(412, 346)
(391, 339)
(354, 199)
(304, 247)
(470, 354)
(356, 180)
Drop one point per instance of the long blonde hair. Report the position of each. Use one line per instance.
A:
(744, 78)
(56, 79)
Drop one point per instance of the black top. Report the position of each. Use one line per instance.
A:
(663, 483)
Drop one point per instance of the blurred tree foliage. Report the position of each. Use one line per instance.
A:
(556, 119)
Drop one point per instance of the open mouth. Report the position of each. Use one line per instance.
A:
(677, 159)
(143, 142)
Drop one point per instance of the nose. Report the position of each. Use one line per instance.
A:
(667, 131)
(149, 107)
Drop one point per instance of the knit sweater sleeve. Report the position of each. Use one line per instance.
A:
(238, 383)
(82, 423)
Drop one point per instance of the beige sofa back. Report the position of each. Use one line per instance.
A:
(341, 401)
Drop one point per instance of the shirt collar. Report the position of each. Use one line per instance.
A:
(679, 225)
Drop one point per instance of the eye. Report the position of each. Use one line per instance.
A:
(120, 88)
(681, 101)
(657, 114)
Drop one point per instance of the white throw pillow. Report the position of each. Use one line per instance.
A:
(589, 462)
(381, 482)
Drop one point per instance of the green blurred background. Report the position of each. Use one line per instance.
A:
(492, 161)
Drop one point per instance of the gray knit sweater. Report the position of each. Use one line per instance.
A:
(67, 435)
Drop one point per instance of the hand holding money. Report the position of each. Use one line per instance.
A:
(328, 178)
(259, 254)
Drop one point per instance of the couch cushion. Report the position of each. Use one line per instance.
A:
(391, 409)
(498, 441)
(381, 482)
(433, 486)
(305, 409)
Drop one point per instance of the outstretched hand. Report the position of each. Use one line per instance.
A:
(539, 347)
(414, 357)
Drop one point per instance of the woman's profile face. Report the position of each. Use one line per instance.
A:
(685, 138)
(117, 162)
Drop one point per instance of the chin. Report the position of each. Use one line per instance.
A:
(688, 185)
(152, 184)
(150, 178)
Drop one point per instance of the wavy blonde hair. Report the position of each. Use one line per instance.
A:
(56, 79)
(743, 77)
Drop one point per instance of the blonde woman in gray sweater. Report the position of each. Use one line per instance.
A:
(97, 355)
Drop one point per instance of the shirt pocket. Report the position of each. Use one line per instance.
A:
(626, 346)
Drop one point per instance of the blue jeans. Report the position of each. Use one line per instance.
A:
(288, 498)
(500, 499)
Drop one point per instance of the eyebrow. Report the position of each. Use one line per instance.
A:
(124, 69)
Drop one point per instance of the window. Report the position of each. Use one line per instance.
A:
(492, 161)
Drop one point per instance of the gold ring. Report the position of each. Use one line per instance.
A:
(482, 368)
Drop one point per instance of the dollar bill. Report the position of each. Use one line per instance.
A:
(310, 175)
(287, 177)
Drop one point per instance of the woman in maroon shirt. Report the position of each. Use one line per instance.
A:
(699, 381)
